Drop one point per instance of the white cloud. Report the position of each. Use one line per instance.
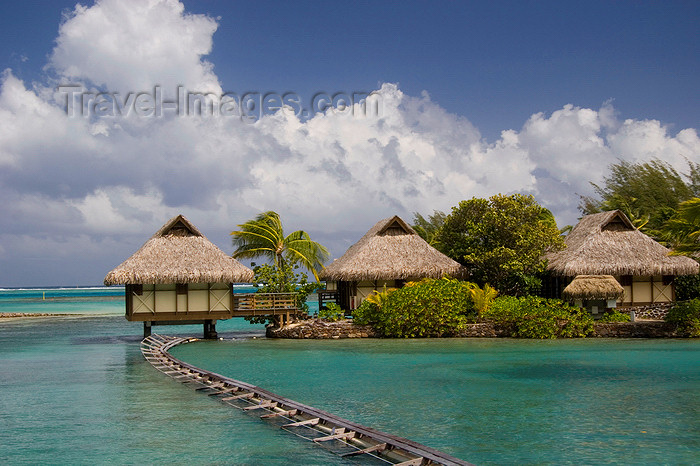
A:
(132, 45)
(111, 182)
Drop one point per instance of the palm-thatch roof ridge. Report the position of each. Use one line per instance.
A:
(593, 287)
(608, 244)
(179, 253)
(391, 250)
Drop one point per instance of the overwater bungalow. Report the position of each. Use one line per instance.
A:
(179, 276)
(390, 254)
(608, 244)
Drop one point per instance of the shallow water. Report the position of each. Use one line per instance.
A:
(76, 390)
(492, 401)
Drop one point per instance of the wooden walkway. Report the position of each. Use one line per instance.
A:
(341, 436)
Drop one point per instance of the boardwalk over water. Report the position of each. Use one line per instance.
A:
(339, 435)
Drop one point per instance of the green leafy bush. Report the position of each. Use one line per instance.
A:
(687, 316)
(615, 316)
(687, 287)
(534, 317)
(366, 313)
(429, 308)
(482, 297)
(331, 312)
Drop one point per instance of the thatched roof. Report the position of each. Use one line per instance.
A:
(593, 287)
(391, 250)
(608, 244)
(179, 253)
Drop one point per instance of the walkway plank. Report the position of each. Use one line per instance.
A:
(338, 436)
(239, 397)
(291, 412)
(308, 422)
(378, 448)
(265, 404)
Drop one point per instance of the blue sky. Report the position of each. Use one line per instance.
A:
(495, 63)
(480, 98)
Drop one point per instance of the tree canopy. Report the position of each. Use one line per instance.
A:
(264, 237)
(501, 240)
(648, 193)
(428, 228)
(682, 231)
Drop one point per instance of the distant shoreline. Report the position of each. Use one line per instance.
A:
(19, 315)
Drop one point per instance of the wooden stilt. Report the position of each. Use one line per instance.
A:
(146, 329)
(210, 330)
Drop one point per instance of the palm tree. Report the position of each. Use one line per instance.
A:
(264, 237)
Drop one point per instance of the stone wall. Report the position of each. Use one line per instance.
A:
(318, 329)
(483, 330)
(651, 311)
(636, 330)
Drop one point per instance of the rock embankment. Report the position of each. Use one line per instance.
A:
(319, 329)
(639, 329)
(16, 315)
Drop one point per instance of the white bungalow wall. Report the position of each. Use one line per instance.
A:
(200, 297)
(647, 290)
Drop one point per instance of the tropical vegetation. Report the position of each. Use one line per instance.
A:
(615, 316)
(682, 230)
(263, 237)
(428, 308)
(686, 315)
(534, 317)
(427, 228)
(648, 193)
(501, 240)
(331, 312)
(283, 279)
(687, 287)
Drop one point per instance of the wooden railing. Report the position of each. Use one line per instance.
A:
(264, 303)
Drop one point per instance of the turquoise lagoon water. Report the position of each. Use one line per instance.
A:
(76, 390)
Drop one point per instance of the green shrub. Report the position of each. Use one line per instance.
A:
(429, 308)
(615, 316)
(331, 312)
(687, 287)
(534, 317)
(687, 316)
(366, 313)
(482, 297)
